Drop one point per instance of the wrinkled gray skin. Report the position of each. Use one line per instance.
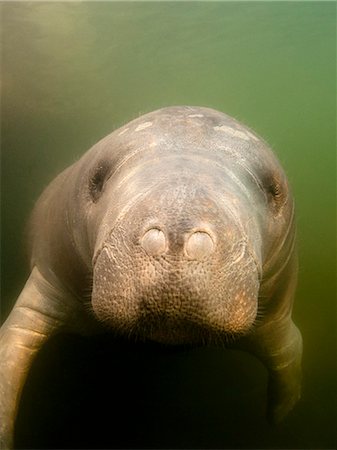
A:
(178, 228)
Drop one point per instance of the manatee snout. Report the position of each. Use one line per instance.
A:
(177, 273)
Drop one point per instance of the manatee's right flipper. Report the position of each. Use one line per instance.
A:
(39, 312)
(278, 344)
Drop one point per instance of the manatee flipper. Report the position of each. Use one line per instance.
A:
(278, 344)
(36, 315)
(285, 373)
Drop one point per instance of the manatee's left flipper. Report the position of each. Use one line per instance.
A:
(278, 344)
(39, 312)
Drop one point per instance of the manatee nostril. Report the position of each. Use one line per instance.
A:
(199, 245)
(154, 242)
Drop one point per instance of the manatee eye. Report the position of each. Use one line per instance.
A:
(97, 180)
(274, 189)
(276, 192)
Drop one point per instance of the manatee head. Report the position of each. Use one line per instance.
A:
(184, 224)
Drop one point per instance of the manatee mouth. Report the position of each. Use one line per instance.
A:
(181, 333)
(176, 332)
(196, 306)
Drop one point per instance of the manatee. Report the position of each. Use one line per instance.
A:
(176, 228)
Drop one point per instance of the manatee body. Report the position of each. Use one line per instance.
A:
(176, 228)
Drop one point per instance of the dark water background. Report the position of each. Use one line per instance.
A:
(71, 73)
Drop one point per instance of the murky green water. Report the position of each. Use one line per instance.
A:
(71, 73)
